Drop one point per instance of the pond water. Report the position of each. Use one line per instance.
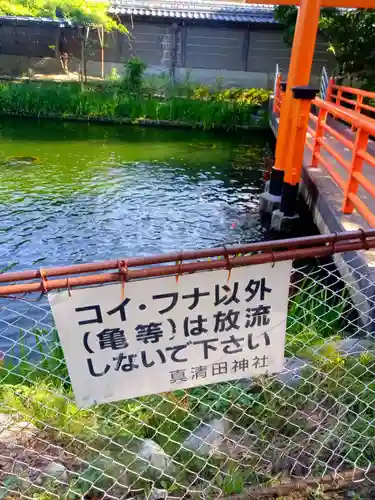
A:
(100, 191)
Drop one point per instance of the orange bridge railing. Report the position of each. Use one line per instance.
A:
(356, 99)
(338, 137)
(350, 153)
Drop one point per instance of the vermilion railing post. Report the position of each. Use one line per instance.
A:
(277, 97)
(338, 97)
(319, 132)
(356, 166)
(302, 97)
(357, 108)
(358, 103)
(282, 94)
(328, 96)
(299, 73)
(301, 103)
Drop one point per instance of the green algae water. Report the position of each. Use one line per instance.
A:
(78, 192)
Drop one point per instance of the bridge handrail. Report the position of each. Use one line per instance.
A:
(336, 92)
(353, 90)
(355, 177)
(348, 115)
(363, 127)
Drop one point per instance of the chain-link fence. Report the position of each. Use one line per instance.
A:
(314, 419)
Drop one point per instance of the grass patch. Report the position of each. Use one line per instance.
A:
(319, 311)
(323, 424)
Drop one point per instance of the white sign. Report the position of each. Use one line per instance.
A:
(163, 334)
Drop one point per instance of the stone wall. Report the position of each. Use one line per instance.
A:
(240, 54)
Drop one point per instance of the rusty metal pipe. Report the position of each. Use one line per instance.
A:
(186, 255)
(337, 244)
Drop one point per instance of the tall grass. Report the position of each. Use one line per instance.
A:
(112, 102)
(44, 361)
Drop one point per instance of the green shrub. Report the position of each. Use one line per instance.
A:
(134, 72)
(255, 97)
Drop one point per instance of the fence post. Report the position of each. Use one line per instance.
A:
(361, 141)
(319, 132)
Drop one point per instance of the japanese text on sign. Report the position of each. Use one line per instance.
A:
(167, 334)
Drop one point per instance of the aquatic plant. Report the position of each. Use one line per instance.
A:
(109, 101)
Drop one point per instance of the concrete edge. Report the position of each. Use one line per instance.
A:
(145, 122)
(352, 266)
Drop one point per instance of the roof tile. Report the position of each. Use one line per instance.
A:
(196, 9)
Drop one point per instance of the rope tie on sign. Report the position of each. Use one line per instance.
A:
(179, 264)
(333, 243)
(123, 270)
(68, 287)
(365, 244)
(229, 264)
(273, 258)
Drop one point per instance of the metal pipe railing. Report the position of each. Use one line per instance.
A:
(324, 83)
(39, 280)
